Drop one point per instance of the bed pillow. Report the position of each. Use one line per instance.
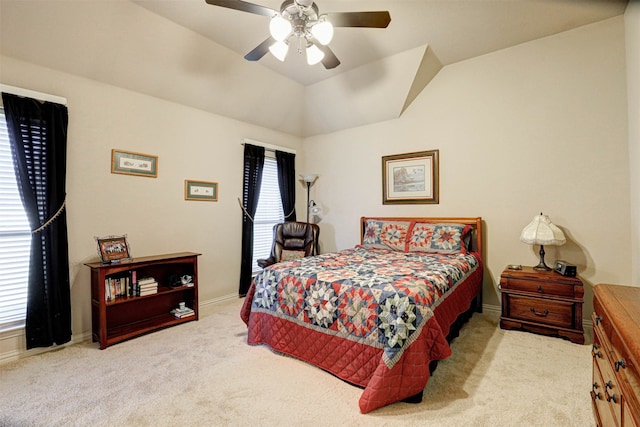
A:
(386, 234)
(438, 238)
(288, 255)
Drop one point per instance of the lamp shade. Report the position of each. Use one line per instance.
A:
(309, 177)
(541, 231)
(279, 49)
(314, 55)
(279, 28)
(323, 31)
(315, 209)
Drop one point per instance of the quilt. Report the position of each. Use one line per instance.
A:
(364, 314)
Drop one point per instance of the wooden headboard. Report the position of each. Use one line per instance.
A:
(475, 223)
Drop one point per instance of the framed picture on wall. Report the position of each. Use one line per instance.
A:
(410, 178)
(200, 190)
(130, 163)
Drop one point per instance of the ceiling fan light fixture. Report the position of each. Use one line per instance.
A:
(314, 55)
(279, 49)
(279, 27)
(323, 31)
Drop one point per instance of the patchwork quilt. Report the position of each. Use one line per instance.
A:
(364, 314)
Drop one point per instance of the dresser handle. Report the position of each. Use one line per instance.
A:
(544, 313)
(597, 395)
(539, 288)
(620, 364)
(598, 320)
(609, 384)
(612, 398)
(595, 352)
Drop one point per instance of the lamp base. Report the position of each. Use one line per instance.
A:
(541, 265)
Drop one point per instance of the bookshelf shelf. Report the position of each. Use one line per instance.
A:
(119, 318)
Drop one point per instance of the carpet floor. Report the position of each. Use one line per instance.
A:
(204, 374)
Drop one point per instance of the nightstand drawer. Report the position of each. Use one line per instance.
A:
(537, 287)
(548, 312)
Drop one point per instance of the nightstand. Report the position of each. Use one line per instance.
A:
(542, 302)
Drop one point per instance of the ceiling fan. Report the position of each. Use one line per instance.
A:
(299, 22)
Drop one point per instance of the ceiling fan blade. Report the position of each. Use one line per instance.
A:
(261, 50)
(359, 19)
(330, 60)
(243, 6)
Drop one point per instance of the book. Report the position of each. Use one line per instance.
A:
(145, 280)
(181, 313)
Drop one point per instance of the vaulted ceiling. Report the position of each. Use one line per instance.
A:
(454, 29)
(190, 52)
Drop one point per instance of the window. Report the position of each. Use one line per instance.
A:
(268, 213)
(15, 240)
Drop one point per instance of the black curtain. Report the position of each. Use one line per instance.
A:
(253, 165)
(38, 138)
(287, 183)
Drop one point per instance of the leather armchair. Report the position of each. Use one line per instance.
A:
(299, 238)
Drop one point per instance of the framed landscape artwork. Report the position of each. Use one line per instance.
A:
(410, 178)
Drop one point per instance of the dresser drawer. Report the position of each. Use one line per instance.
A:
(538, 287)
(549, 312)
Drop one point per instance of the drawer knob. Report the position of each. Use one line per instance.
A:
(620, 364)
(598, 320)
(539, 288)
(544, 313)
(595, 352)
(609, 384)
(597, 395)
(612, 398)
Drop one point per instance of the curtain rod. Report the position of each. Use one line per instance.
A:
(267, 146)
(33, 94)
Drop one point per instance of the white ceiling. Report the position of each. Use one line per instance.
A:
(454, 29)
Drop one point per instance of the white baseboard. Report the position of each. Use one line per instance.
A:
(13, 342)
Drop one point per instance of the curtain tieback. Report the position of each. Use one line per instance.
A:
(53, 218)
(244, 210)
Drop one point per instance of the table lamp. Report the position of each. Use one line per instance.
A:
(541, 231)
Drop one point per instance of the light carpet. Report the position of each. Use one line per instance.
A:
(204, 374)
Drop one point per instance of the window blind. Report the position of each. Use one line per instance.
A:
(268, 213)
(15, 240)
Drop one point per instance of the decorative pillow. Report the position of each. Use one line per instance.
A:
(438, 238)
(386, 234)
(288, 255)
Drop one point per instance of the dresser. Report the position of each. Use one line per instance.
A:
(542, 302)
(615, 392)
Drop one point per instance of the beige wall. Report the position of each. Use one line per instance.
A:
(538, 127)
(189, 143)
(632, 29)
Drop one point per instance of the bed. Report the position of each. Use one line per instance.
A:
(379, 315)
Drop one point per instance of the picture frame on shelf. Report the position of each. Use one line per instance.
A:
(113, 249)
(411, 178)
(131, 163)
(200, 190)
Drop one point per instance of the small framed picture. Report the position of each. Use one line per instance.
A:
(130, 163)
(113, 249)
(410, 178)
(200, 190)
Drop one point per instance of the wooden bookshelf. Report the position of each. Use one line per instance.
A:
(115, 319)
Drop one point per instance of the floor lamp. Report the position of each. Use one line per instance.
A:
(309, 179)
